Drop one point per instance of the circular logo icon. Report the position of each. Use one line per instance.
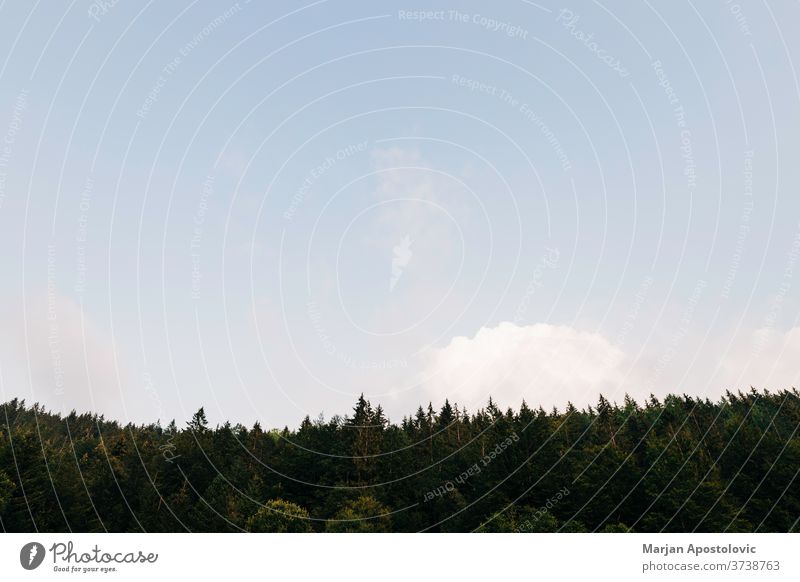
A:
(31, 555)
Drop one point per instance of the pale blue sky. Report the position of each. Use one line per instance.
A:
(492, 138)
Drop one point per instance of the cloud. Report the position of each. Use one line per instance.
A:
(549, 365)
(545, 364)
(768, 359)
(57, 356)
(423, 197)
(412, 241)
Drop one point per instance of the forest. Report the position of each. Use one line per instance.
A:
(681, 464)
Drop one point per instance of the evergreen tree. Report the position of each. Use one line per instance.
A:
(681, 464)
(279, 516)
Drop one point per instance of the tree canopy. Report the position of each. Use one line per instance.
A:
(677, 465)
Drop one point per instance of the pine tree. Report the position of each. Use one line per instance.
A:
(198, 424)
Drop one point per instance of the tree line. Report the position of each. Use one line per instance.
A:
(678, 465)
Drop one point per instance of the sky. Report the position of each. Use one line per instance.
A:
(267, 209)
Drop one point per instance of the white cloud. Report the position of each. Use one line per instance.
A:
(424, 198)
(545, 364)
(768, 360)
(57, 356)
(550, 365)
(423, 213)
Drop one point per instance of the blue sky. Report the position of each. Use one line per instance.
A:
(268, 209)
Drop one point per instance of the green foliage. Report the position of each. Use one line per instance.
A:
(677, 465)
(279, 516)
(616, 528)
(6, 489)
(362, 515)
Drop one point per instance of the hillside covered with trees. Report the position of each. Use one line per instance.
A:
(680, 465)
